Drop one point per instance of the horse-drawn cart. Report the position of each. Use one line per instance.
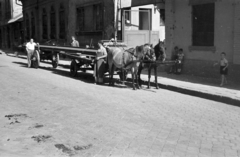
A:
(81, 58)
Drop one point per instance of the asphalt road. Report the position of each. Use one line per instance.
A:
(45, 112)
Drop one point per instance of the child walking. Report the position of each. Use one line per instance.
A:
(223, 68)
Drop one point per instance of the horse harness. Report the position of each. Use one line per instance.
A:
(130, 51)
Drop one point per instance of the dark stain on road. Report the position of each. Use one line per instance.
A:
(41, 138)
(83, 147)
(38, 126)
(15, 117)
(64, 149)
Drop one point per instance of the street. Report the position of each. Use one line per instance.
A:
(46, 113)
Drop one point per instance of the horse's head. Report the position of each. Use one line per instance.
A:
(142, 50)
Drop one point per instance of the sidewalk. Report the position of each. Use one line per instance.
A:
(207, 88)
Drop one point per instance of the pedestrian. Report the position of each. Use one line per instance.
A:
(74, 43)
(223, 68)
(99, 68)
(173, 58)
(179, 61)
(30, 47)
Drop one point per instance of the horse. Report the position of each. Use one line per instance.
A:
(125, 60)
(151, 57)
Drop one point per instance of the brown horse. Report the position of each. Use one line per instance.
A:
(154, 54)
(125, 60)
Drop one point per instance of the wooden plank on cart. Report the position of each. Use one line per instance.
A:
(89, 52)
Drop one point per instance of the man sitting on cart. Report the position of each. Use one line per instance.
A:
(30, 47)
(74, 43)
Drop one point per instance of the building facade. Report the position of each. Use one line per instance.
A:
(11, 33)
(204, 29)
(87, 20)
(59, 20)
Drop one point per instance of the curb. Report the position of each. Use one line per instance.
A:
(217, 98)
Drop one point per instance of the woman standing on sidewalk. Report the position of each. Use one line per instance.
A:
(99, 67)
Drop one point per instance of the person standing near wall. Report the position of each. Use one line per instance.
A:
(74, 43)
(30, 47)
(173, 58)
(223, 68)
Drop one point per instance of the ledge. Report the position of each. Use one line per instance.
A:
(202, 48)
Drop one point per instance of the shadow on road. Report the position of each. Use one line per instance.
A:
(81, 76)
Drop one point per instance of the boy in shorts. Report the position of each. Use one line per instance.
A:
(223, 68)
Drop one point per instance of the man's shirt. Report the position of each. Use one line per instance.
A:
(75, 43)
(31, 46)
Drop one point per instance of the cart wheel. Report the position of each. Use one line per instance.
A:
(35, 59)
(55, 60)
(73, 68)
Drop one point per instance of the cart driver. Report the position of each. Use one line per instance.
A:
(30, 47)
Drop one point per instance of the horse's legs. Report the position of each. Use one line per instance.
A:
(139, 74)
(112, 72)
(149, 74)
(123, 76)
(155, 71)
(133, 77)
(137, 78)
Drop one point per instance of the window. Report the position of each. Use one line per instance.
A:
(0, 38)
(203, 24)
(98, 17)
(7, 9)
(162, 17)
(33, 25)
(27, 27)
(44, 25)
(53, 23)
(15, 31)
(80, 19)
(127, 13)
(61, 22)
(90, 18)
(0, 11)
